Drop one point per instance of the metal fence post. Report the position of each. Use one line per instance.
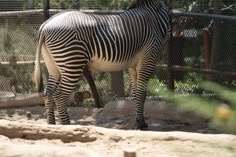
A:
(46, 16)
(170, 77)
(46, 7)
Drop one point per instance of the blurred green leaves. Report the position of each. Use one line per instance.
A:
(227, 94)
(204, 5)
(221, 116)
(85, 4)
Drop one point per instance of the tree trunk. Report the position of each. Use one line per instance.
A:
(117, 83)
(21, 101)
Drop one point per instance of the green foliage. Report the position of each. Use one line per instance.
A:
(204, 5)
(226, 94)
(86, 4)
(154, 86)
(190, 84)
(7, 5)
(221, 116)
(12, 5)
(196, 6)
(105, 4)
(97, 4)
(59, 4)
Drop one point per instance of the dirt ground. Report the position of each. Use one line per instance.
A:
(170, 133)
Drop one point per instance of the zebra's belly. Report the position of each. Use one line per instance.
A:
(101, 65)
(107, 66)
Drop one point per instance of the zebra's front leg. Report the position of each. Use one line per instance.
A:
(144, 72)
(133, 73)
(133, 82)
(140, 100)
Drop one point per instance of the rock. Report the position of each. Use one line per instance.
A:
(122, 107)
(152, 109)
(115, 138)
(28, 114)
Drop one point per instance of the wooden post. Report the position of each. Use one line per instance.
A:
(130, 153)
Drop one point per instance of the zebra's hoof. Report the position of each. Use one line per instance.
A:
(140, 125)
(51, 123)
(65, 122)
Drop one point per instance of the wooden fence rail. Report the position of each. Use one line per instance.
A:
(163, 66)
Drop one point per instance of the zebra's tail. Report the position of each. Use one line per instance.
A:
(37, 70)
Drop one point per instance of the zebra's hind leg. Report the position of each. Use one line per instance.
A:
(62, 99)
(48, 99)
(67, 85)
(49, 106)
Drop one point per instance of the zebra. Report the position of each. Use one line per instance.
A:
(72, 41)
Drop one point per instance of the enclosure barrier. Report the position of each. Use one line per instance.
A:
(17, 68)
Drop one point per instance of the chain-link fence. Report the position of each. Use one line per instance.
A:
(202, 48)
